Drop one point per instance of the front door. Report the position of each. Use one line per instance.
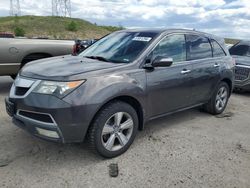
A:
(169, 88)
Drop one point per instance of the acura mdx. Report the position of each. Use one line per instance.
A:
(108, 92)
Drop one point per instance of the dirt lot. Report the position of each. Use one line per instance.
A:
(188, 149)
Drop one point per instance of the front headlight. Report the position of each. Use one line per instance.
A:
(59, 89)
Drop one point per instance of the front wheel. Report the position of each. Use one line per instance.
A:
(219, 100)
(113, 129)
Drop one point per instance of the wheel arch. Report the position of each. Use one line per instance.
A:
(229, 82)
(34, 56)
(129, 100)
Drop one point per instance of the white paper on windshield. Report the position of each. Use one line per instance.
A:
(144, 39)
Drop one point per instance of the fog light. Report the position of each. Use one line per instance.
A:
(51, 134)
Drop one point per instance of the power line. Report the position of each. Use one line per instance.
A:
(15, 8)
(61, 8)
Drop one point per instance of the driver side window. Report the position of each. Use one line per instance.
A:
(173, 46)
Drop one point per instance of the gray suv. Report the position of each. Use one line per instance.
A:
(241, 53)
(108, 92)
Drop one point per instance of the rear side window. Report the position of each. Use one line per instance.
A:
(198, 47)
(239, 49)
(172, 46)
(217, 50)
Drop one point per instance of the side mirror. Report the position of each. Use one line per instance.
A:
(160, 61)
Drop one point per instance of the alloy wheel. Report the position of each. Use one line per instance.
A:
(221, 98)
(117, 131)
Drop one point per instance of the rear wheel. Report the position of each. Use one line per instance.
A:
(219, 100)
(29, 58)
(33, 57)
(113, 129)
(13, 76)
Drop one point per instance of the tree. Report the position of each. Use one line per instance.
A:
(19, 32)
(72, 26)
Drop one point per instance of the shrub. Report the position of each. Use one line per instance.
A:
(19, 32)
(72, 26)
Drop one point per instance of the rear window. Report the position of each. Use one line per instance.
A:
(198, 47)
(217, 50)
(240, 50)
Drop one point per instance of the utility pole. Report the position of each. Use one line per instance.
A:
(15, 8)
(61, 8)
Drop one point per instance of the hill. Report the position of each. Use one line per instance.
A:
(59, 27)
(231, 41)
(54, 27)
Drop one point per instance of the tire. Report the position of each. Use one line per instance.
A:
(106, 134)
(34, 57)
(29, 59)
(219, 100)
(13, 76)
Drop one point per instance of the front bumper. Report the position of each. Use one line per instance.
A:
(49, 117)
(242, 85)
(242, 77)
(33, 125)
(67, 122)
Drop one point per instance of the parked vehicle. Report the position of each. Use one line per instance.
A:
(6, 35)
(125, 79)
(229, 45)
(81, 45)
(15, 53)
(241, 54)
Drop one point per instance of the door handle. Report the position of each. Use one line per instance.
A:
(185, 71)
(216, 65)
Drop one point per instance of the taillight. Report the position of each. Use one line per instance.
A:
(75, 49)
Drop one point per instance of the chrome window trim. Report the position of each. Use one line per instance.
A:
(243, 66)
(10, 64)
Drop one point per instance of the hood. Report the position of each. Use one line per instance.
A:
(242, 60)
(61, 68)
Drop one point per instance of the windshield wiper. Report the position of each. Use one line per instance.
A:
(98, 58)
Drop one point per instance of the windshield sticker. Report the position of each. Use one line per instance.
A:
(144, 39)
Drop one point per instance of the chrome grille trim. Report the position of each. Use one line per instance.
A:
(28, 118)
(242, 72)
(30, 84)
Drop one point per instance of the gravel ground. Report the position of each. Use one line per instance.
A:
(188, 149)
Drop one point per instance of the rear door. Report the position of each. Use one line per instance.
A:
(206, 69)
(169, 88)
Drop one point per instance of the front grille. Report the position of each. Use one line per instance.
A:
(36, 116)
(241, 73)
(20, 91)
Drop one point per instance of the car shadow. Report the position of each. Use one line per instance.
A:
(242, 93)
(25, 145)
(34, 148)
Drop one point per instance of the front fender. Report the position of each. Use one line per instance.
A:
(97, 91)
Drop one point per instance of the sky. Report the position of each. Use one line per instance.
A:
(225, 18)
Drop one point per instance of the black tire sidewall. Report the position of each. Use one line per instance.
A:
(101, 119)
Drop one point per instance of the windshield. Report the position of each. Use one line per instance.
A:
(119, 47)
(240, 50)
